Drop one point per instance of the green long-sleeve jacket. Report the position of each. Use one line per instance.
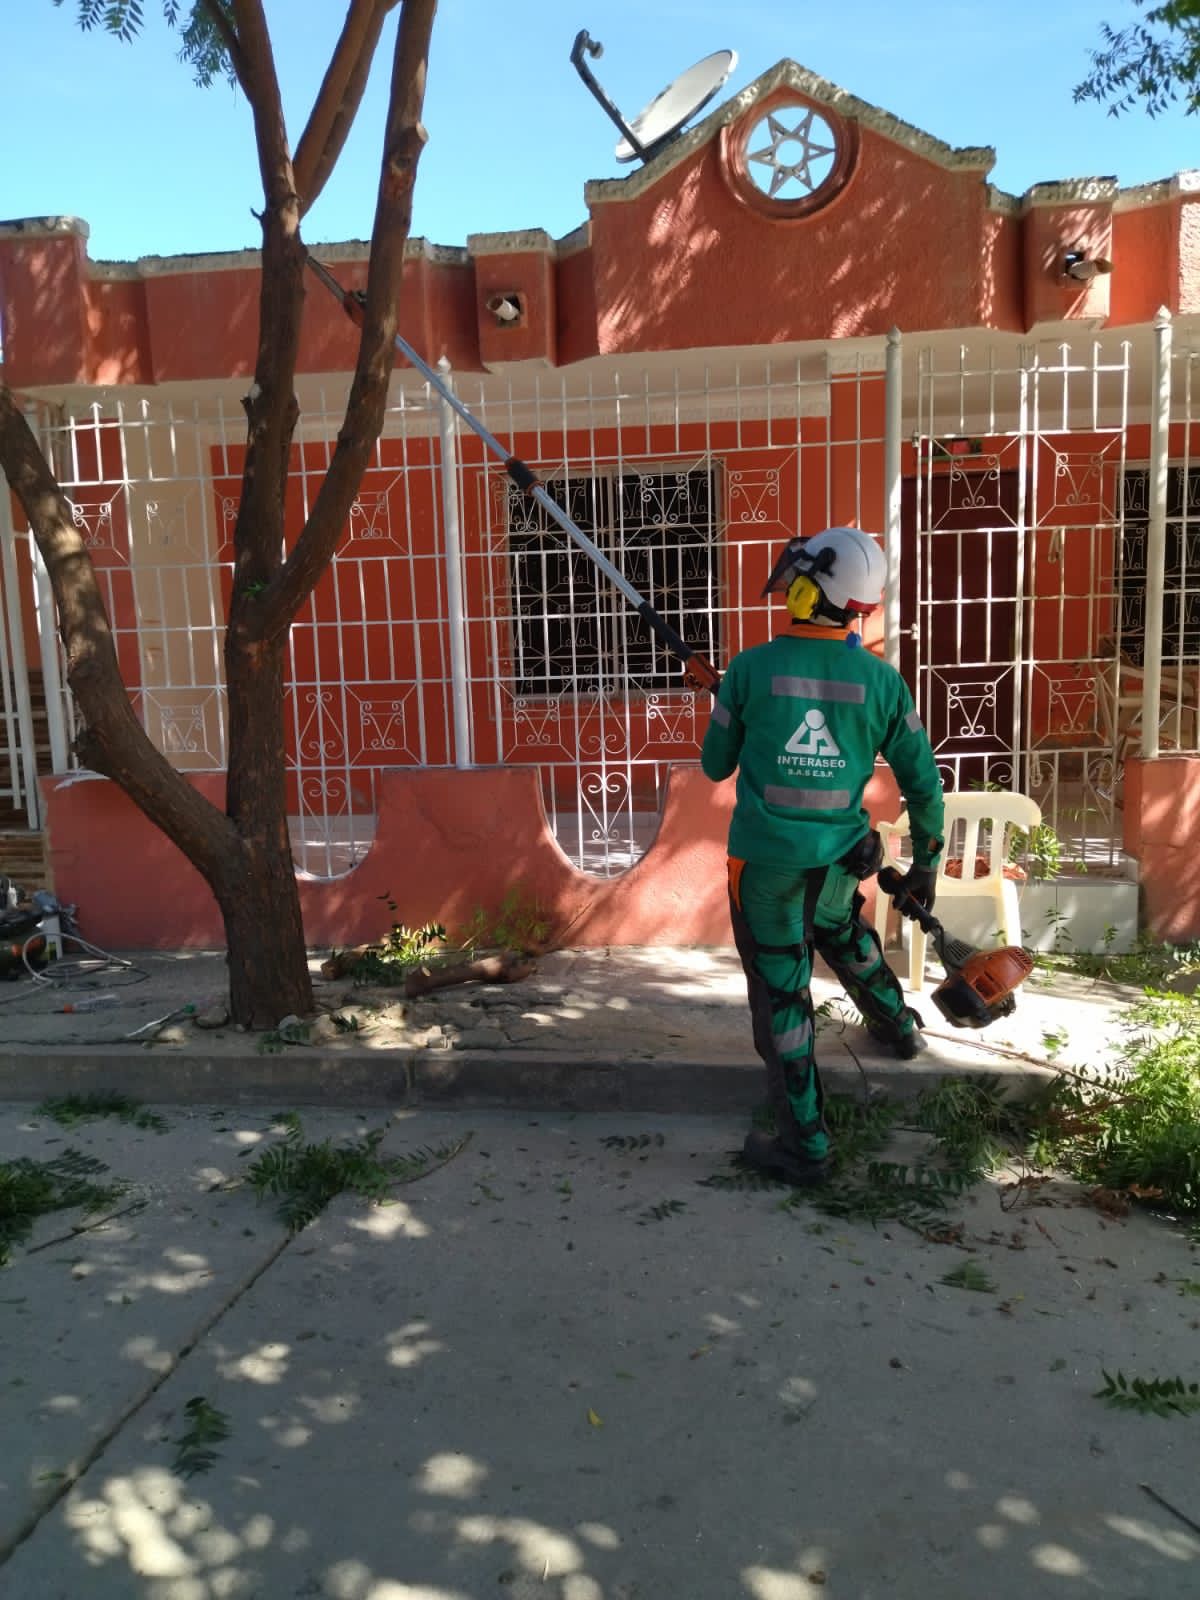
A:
(803, 719)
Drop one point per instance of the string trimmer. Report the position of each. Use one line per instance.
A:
(979, 985)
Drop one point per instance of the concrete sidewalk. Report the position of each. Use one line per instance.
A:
(648, 1029)
(561, 1367)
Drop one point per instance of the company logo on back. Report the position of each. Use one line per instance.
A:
(813, 738)
(813, 745)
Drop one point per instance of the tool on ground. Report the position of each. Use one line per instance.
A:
(161, 1022)
(89, 1002)
(979, 985)
(698, 672)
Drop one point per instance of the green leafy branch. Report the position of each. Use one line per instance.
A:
(307, 1176)
(71, 1109)
(202, 43)
(32, 1189)
(207, 1427)
(1152, 1397)
(969, 1275)
(1154, 62)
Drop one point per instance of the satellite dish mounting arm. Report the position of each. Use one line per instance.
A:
(585, 44)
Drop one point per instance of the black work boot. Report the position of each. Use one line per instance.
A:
(767, 1153)
(909, 1045)
(904, 1046)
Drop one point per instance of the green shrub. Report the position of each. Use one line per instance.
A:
(1135, 1128)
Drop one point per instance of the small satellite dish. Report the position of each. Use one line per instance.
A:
(664, 118)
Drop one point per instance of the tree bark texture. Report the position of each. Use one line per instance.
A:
(268, 963)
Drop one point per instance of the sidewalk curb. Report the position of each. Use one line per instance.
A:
(447, 1079)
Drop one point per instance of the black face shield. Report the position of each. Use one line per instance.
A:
(794, 561)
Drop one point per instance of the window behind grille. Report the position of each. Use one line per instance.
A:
(572, 632)
(1181, 593)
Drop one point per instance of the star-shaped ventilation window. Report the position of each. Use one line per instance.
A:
(790, 153)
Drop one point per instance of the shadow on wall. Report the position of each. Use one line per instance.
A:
(686, 264)
(446, 843)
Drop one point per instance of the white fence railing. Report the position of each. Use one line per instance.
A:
(456, 626)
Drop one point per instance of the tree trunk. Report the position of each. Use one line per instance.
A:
(260, 900)
(245, 856)
(268, 964)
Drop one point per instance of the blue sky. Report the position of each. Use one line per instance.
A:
(118, 135)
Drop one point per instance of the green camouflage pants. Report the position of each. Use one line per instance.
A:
(779, 914)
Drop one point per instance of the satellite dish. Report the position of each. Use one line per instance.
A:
(664, 118)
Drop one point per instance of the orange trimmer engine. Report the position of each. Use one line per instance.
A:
(980, 985)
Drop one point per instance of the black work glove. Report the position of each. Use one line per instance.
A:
(919, 884)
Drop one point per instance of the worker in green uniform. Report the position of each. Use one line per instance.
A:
(802, 719)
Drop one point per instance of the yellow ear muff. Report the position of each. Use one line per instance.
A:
(802, 597)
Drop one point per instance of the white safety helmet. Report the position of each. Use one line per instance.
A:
(845, 564)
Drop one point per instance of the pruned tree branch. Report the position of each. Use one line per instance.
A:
(271, 409)
(256, 791)
(260, 81)
(339, 97)
(113, 741)
(404, 139)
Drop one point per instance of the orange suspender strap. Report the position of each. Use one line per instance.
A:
(736, 867)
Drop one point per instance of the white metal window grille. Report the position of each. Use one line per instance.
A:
(788, 445)
(1179, 704)
(19, 799)
(1015, 541)
(571, 632)
(1181, 593)
(707, 466)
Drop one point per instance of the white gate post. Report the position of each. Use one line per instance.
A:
(56, 721)
(8, 712)
(1156, 533)
(26, 744)
(893, 407)
(448, 433)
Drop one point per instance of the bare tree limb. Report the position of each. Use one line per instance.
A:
(256, 794)
(270, 406)
(404, 139)
(113, 742)
(508, 967)
(340, 95)
(261, 83)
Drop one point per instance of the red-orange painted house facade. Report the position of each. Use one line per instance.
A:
(743, 340)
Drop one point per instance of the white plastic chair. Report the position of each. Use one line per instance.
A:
(1001, 810)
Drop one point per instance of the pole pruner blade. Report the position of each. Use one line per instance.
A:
(699, 674)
